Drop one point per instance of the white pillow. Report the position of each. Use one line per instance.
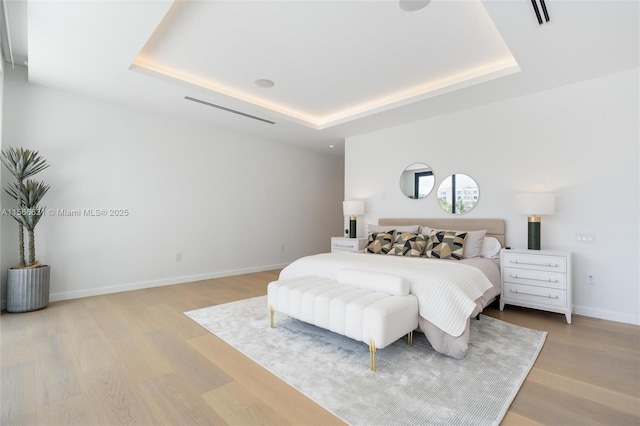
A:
(394, 285)
(491, 248)
(425, 230)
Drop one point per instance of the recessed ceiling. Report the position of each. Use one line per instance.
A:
(332, 61)
(340, 68)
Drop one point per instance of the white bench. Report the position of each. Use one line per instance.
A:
(376, 309)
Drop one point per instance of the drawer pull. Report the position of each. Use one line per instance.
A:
(548, 296)
(549, 265)
(344, 246)
(546, 280)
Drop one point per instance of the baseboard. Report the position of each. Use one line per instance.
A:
(606, 315)
(578, 310)
(55, 297)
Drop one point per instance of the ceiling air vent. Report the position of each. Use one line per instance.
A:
(543, 6)
(189, 98)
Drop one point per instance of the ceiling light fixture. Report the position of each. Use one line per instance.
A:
(264, 83)
(413, 5)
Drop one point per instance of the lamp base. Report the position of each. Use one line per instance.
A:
(534, 233)
(352, 227)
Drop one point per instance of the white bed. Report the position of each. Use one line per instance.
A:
(450, 292)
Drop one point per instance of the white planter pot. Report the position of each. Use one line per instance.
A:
(28, 289)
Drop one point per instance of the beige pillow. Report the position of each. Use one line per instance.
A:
(473, 244)
(414, 229)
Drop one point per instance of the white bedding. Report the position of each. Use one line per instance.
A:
(447, 290)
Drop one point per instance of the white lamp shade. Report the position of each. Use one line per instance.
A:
(353, 208)
(538, 203)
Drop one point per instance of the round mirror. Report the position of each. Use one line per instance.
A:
(417, 180)
(458, 194)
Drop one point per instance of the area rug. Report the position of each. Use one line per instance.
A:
(412, 384)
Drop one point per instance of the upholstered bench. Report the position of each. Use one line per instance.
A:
(374, 308)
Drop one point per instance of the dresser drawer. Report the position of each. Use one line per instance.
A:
(534, 295)
(535, 278)
(340, 244)
(537, 262)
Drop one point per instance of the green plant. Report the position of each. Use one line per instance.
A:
(22, 164)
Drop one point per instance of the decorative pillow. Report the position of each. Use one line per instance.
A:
(446, 244)
(491, 248)
(473, 244)
(408, 244)
(379, 242)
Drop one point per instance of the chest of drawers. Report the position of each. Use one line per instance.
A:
(539, 279)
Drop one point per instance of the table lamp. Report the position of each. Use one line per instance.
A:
(535, 204)
(352, 209)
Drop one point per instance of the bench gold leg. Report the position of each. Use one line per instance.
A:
(410, 338)
(372, 355)
(271, 316)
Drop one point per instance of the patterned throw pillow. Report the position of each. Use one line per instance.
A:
(379, 242)
(408, 244)
(446, 244)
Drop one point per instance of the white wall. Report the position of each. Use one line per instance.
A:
(227, 202)
(2, 181)
(581, 141)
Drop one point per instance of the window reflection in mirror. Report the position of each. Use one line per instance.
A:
(458, 194)
(417, 180)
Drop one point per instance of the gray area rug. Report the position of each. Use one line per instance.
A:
(412, 384)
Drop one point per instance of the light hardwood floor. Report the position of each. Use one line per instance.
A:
(134, 358)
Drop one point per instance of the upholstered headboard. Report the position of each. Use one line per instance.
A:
(495, 227)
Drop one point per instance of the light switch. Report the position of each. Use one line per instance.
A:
(586, 238)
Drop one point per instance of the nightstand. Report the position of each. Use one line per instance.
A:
(539, 279)
(344, 244)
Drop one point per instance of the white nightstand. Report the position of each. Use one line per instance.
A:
(342, 244)
(539, 279)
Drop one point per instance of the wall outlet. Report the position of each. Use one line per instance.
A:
(178, 257)
(590, 278)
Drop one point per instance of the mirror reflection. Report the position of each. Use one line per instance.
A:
(417, 180)
(458, 194)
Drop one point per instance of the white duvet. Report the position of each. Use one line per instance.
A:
(446, 290)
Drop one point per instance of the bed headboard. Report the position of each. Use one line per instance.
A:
(495, 227)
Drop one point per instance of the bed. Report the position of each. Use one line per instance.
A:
(451, 290)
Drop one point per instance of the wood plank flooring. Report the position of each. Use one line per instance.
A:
(134, 358)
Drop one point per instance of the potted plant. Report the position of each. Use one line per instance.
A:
(28, 281)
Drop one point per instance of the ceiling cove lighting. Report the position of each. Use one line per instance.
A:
(162, 72)
(484, 72)
(413, 5)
